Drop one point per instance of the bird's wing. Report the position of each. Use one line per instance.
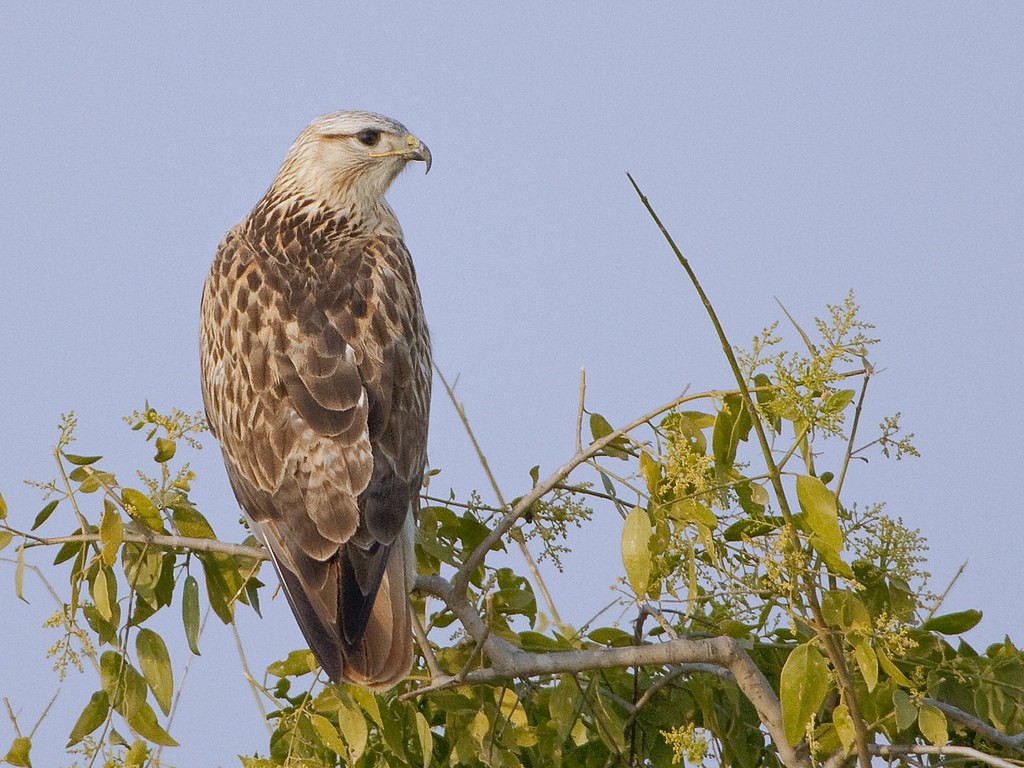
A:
(305, 382)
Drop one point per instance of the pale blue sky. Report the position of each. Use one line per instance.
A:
(795, 150)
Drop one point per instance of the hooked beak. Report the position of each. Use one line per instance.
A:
(417, 150)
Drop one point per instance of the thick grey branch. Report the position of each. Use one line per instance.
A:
(509, 661)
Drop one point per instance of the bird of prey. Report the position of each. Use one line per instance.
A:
(316, 374)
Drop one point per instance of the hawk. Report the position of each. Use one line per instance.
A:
(316, 373)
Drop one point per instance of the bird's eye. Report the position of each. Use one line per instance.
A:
(369, 137)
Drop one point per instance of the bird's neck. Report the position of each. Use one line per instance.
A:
(288, 213)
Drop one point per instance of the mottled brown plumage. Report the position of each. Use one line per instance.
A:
(316, 378)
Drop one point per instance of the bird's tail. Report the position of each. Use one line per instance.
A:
(382, 656)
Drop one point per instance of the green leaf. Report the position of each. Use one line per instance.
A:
(190, 522)
(18, 753)
(838, 400)
(906, 712)
(328, 734)
(142, 720)
(352, 725)
(165, 450)
(732, 424)
(803, 687)
(190, 612)
(426, 738)
(111, 533)
(81, 461)
(612, 637)
(820, 506)
(155, 662)
(44, 514)
(932, 722)
(5, 538)
(92, 717)
(891, 669)
(636, 555)
(136, 755)
(844, 610)
(3, 507)
(867, 662)
(692, 511)
(651, 471)
(142, 508)
(751, 528)
(300, 662)
(844, 726)
(68, 550)
(101, 594)
(563, 706)
(367, 703)
(953, 623)
(599, 427)
(765, 398)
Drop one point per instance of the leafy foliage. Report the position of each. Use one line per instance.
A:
(735, 528)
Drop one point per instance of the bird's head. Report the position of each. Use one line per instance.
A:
(349, 159)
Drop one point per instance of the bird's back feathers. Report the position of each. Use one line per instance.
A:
(316, 379)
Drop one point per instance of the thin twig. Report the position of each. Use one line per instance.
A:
(579, 410)
(429, 657)
(530, 562)
(945, 592)
(868, 370)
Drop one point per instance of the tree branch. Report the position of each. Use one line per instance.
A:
(899, 750)
(511, 662)
(158, 540)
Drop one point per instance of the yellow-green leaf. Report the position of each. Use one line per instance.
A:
(845, 610)
(904, 709)
(891, 669)
(651, 471)
(190, 612)
(81, 461)
(3, 508)
(142, 508)
(352, 725)
(692, 511)
(92, 717)
(18, 753)
(165, 449)
(142, 720)
(136, 755)
(155, 663)
(328, 734)
(820, 506)
(191, 522)
(932, 722)
(867, 662)
(111, 534)
(844, 726)
(802, 688)
(101, 594)
(636, 554)
(5, 538)
(367, 703)
(426, 738)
